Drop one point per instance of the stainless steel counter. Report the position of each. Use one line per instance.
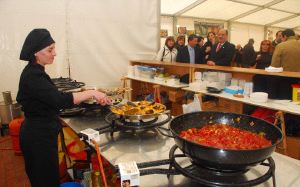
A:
(144, 146)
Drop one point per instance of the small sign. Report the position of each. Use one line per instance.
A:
(130, 174)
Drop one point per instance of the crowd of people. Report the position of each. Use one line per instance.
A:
(217, 50)
(283, 52)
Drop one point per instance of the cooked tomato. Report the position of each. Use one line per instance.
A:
(226, 137)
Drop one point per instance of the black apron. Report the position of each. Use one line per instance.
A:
(38, 141)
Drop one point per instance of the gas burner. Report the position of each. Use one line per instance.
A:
(209, 177)
(121, 124)
(67, 84)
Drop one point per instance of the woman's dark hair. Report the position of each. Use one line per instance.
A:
(180, 37)
(268, 43)
(168, 39)
(209, 34)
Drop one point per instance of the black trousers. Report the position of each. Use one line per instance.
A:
(38, 141)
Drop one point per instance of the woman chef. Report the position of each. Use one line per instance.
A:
(41, 102)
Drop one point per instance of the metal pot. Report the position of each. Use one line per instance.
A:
(9, 111)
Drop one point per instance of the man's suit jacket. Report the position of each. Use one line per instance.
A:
(184, 56)
(224, 56)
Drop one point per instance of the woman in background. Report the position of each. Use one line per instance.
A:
(41, 102)
(167, 53)
(261, 83)
(180, 42)
(211, 40)
(264, 57)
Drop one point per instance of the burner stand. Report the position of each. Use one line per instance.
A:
(121, 124)
(200, 175)
(217, 178)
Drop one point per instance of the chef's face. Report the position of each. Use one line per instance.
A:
(46, 55)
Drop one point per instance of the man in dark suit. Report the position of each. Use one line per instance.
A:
(249, 55)
(190, 53)
(222, 53)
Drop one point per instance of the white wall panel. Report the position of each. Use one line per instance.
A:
(241, 33)
(166, 23)
(101, 35)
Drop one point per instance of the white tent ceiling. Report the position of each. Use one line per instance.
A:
(274, 13)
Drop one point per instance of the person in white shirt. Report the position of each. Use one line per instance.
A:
(168, 52)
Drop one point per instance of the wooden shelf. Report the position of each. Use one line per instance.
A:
(152, 81)
(217, 68)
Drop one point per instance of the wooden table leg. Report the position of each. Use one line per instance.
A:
(280, 116)
(157, 93)
(125, 86)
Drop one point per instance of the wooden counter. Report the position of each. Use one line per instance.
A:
(228, 102)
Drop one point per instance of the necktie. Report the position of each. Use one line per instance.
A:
(218, 47)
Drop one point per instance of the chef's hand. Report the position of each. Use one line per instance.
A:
(102, 98)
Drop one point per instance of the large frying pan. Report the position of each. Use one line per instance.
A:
(224, 159)
(121, 110)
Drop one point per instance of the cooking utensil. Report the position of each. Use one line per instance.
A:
(8, 112)
(131, 103)
(213, 90)
(224, 159)
(7, 97)
(72, 111)
(108, 91)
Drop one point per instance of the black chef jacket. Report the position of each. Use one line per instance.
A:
(38, 95)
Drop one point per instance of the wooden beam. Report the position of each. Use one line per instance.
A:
(282, 19)
(196, 3)
(259, 7)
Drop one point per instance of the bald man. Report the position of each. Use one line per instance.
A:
(222, 53)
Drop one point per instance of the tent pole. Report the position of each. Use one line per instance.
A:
(229, 29)
(175, 30)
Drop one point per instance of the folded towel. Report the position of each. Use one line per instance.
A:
(274, 69)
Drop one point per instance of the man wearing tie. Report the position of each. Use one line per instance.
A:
(190, 53)
(222, 53)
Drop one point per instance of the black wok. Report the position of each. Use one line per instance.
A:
(224, 159)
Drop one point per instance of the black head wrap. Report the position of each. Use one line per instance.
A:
(36, 40)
